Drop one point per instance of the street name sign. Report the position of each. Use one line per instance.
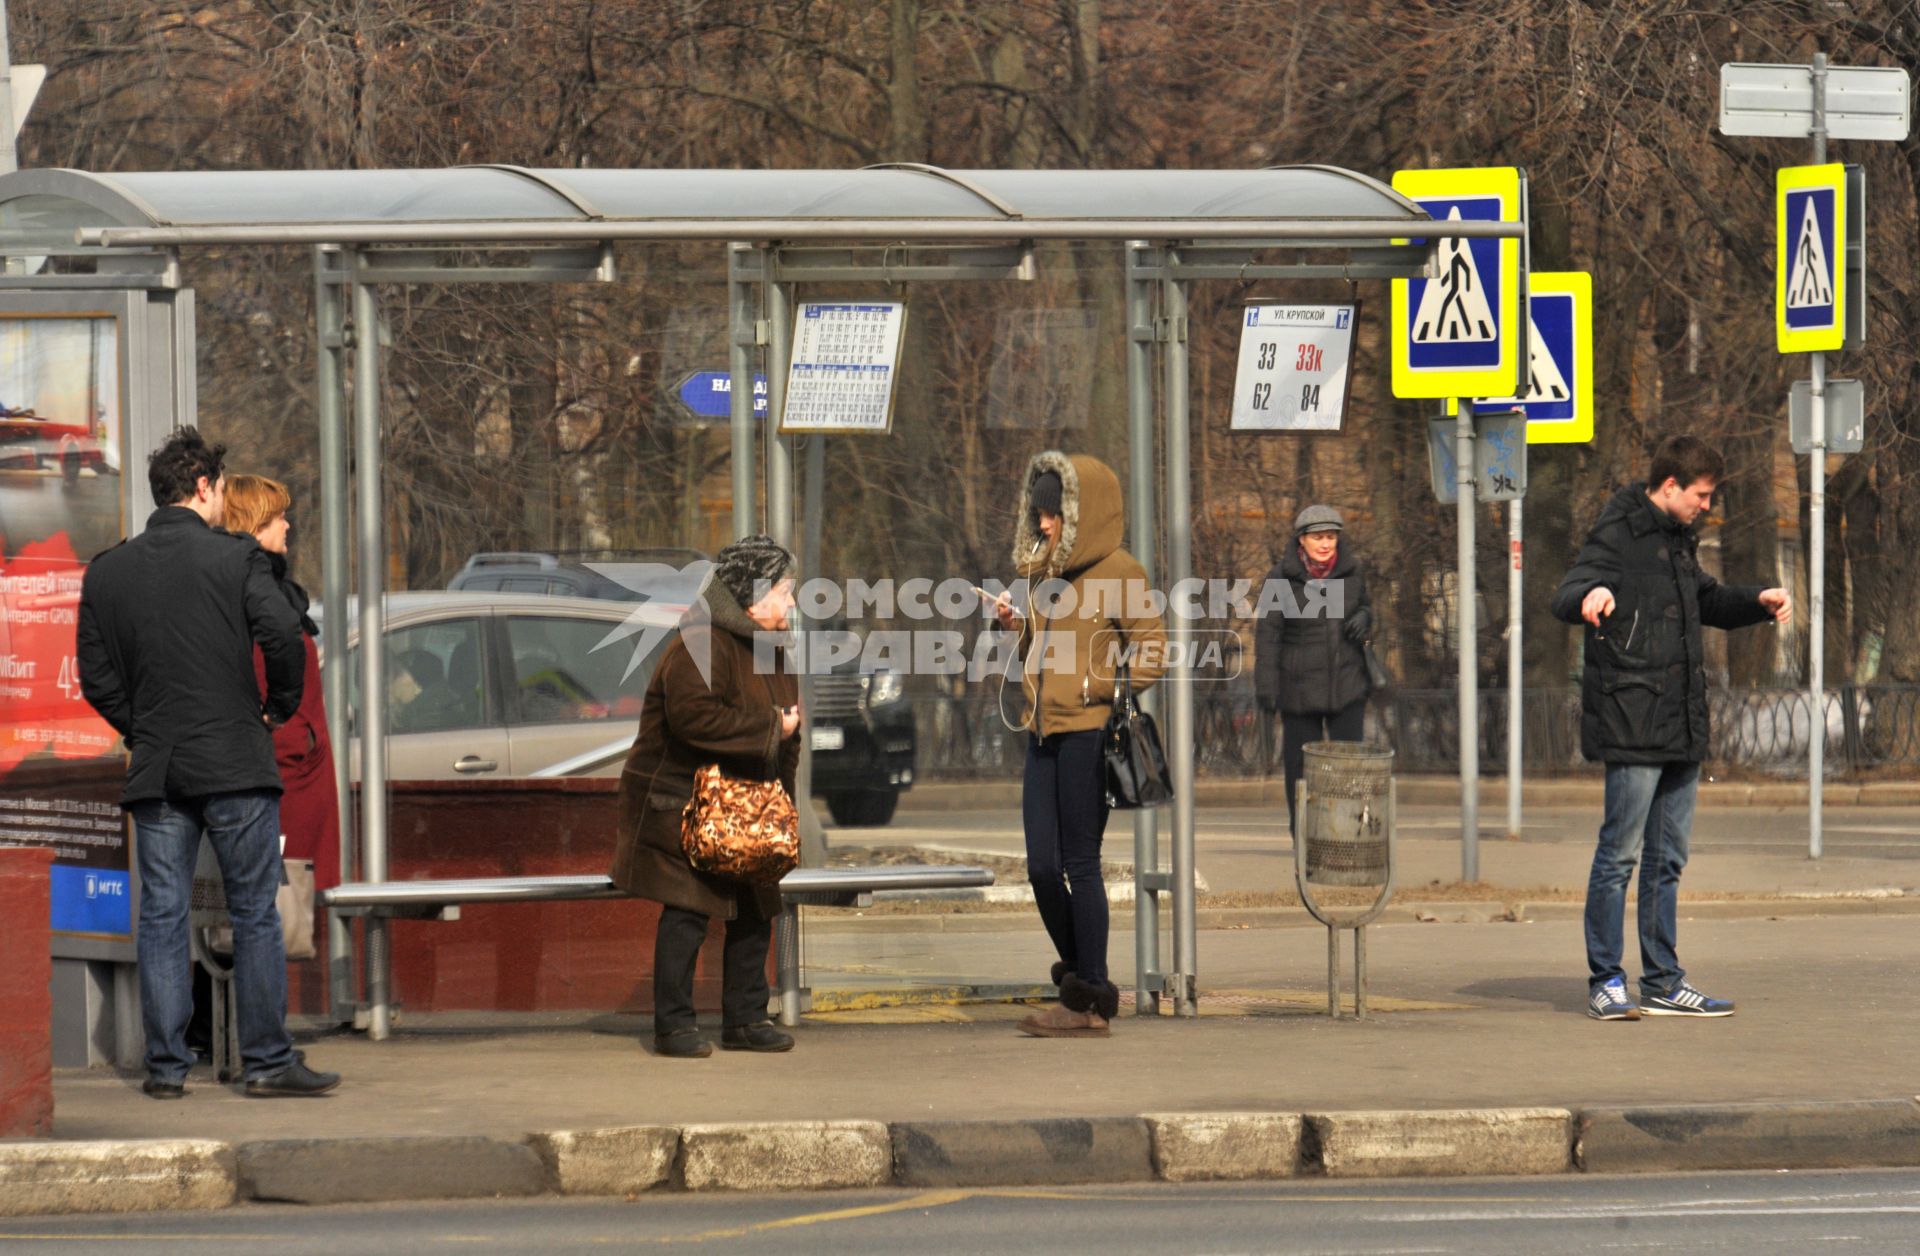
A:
(845, 360)
(1294, 371)
(1862, 102)
(1458, 333)
(709, 394)
(1810, 274)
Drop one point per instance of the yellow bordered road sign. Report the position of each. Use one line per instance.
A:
(1810, 262)
(1558, 398)
(1458, 334)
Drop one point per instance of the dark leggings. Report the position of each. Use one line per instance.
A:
(1064, 806)
(743, 965)
(1349, 723)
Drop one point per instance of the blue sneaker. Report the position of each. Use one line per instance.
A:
(1684, 1000)
(1610, 1002)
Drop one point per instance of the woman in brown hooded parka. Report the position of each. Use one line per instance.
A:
(711, 701)
(1088, 612)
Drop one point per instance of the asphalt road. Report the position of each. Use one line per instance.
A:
(1874, 1211)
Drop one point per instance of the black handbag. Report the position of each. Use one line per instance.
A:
(1378, 677)
(1136, 763)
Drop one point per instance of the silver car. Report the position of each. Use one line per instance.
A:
(505, 684)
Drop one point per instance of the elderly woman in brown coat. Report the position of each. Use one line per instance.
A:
(711, 701)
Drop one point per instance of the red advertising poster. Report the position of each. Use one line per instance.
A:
(60, 503)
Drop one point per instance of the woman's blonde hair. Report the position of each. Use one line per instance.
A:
(253, 501)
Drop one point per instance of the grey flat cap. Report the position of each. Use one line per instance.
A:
(1318, 519)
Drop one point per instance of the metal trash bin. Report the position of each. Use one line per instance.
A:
(1346, 816)
(1343, 810)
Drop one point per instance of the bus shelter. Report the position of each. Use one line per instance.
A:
(79, 241)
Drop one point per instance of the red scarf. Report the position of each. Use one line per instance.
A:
(1320, 571)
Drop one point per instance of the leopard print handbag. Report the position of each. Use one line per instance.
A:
(746, 830)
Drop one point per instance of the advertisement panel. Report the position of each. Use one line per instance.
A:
(61, 502)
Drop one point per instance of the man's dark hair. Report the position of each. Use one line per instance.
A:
(1685, 459)
(174, 469)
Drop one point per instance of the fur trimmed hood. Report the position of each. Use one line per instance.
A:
(1092, 517)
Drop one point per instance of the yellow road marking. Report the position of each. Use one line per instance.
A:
(927, 1199)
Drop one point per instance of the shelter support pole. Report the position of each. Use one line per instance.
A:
(370, 515)
(1466, 632)
(778, 303)
(330, 410)
(742, 338)
(1181, 982)
(1516, 708)
(1817, 538)
(1141, 541)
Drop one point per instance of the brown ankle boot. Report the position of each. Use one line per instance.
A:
(1060, 1021)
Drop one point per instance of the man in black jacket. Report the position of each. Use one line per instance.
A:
(168, 621)
(1638, 586)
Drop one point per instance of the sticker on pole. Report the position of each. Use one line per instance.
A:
(1293, 373)
(1457, 334)
(1810, 275)
(1558, 398)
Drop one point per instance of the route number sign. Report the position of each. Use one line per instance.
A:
(1294, 368)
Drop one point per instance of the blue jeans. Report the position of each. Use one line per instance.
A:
(1063, 803)
(244, 828)
(1649, 819)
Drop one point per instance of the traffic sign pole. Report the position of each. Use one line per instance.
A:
(1817, 564)
(1469, 653)
(1514, 706)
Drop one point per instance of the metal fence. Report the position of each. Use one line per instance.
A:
(1760, 730)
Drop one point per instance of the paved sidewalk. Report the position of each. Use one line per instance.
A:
(1477, 1058)
(1826, 1013)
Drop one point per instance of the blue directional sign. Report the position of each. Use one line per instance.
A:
(709, 394)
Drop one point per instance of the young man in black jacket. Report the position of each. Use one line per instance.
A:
(168, 621)
(1638, 586)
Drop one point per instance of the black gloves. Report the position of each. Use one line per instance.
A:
(1359, 625)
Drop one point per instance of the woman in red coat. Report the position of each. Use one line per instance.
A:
(309, 808)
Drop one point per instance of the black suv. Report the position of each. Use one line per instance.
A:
(861, 724)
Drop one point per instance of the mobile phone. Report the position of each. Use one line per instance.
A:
(994, 598)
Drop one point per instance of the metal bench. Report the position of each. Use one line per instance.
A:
(809, 887)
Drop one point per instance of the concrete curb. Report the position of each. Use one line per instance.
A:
(626, 1160)
(785, 1156)
(1060, 1151)
(1748, 1136)
(369, 1170)
(1225, 1146)
(145, 1175)
(1460, 1143)
(42, 1177)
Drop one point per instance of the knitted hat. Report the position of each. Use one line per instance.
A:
(1045, 492)
(752, 565)
(1317, 519)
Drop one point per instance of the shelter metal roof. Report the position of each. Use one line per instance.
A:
(56, 208)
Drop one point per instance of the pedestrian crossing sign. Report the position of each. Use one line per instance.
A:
(1457, 334)
(1558, 397)
(1810, 272)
